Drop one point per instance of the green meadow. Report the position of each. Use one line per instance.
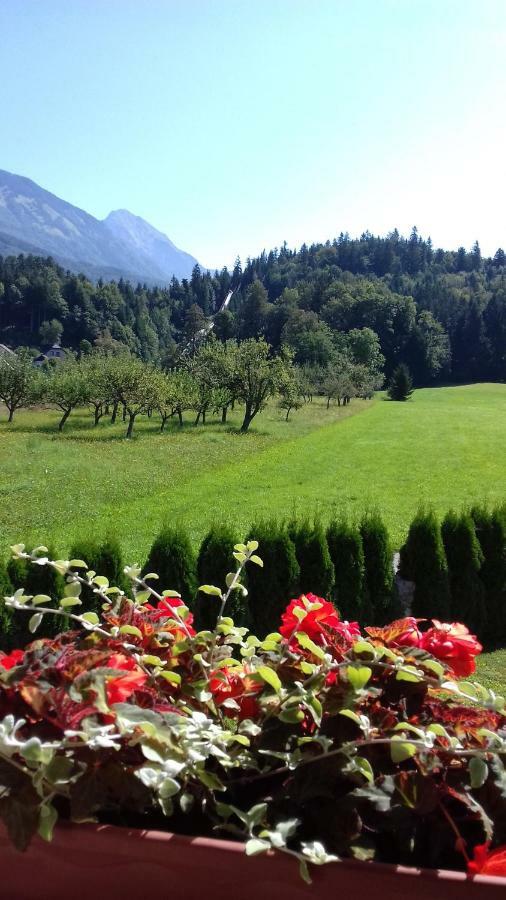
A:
(445, 447)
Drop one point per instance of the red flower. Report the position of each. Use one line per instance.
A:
(120, 688)
(485, 863)
(453, 645)
(165, 609)
(13, 659)
(229, 684)
(316, 622)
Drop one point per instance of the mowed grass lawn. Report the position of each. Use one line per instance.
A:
(446, 447)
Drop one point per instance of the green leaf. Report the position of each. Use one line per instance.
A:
(40, 598)
(149, 660)
(434, 666)
(141, 596)
(173, 677)
(306, 642)
(351, 715)
(255, 845)
(292, 716)
(151, 575)
(409, 673)
(401, 750)
(171, 594)
(101, 581)
(270, 677)
(34, 622)
(47, 821)
(211, 589)
(252, 546)
(478, 771)
(67, 602)
(257, 561)
(131, 629)
(73, 589)
(90, 617)
(364, 647)
(358, 676)
(365, 768)
(77, 564)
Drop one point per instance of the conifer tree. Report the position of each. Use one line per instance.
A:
(423, 560)
(465, 559)
(172, 558)
(401, 384)
(5, 613)
(36, 580)
(347, 555)
(491, 533)
(313, 557)
(270, 588)
(214, 561)
(105, 559)
(379, 573)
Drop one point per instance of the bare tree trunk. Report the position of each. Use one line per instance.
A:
(131, 420)
(224, 415)
(11, 413)
(197, 420)
(180, 417)
(114, 412)
(63, 419)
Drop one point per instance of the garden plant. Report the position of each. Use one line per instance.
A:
(321, 741)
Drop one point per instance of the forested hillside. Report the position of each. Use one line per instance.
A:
(443, 313)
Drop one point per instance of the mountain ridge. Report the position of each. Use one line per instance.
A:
(34, 220)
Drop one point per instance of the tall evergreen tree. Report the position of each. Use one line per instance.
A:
(465, 559)
(172, 558)
(312, 551)
(379, 574)
(270, 588)
(423, 561)
(347, 555)
(491, 533)
(401, 385)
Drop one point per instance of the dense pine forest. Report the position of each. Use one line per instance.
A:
(442, 313)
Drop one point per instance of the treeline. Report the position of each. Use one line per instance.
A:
(442, 313)
(213, 378)
(458, 568)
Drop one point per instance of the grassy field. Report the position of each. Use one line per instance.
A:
(445, 446)
(491, 671)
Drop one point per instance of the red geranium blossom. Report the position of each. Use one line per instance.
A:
(119, 688)
(485, 863)
(165, 609)
(12, 659)
(453, 645)
(316, 621)
(229, 684)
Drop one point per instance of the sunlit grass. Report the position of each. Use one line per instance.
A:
(444, 447)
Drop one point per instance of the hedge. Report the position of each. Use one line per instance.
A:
(271, 587)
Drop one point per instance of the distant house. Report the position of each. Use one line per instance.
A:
(55, 352)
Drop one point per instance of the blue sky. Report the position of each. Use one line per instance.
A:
(233, 125)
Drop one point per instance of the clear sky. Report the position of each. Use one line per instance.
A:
(233, 125)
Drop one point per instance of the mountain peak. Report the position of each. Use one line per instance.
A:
(32, 220)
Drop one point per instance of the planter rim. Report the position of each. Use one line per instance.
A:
(238, 847)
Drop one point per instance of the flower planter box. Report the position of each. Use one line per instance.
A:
(88, 862)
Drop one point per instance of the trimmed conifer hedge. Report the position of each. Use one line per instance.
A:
(213, 563)
(347, 554)
(172, 558)
(423, 560)
(379, 573)
(490, 528)
(465, 559)
(312, 552)
(35, 580)
(271, 587)
(103, 558)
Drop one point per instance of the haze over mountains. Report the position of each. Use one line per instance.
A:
(32, 220)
